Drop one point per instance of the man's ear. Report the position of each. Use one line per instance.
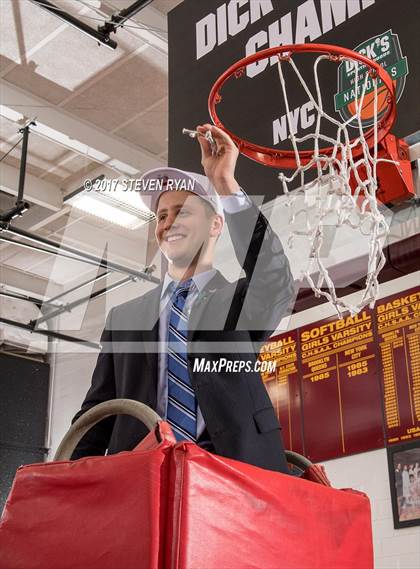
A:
(216, 226)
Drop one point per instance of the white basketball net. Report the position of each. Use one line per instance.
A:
(330, 193)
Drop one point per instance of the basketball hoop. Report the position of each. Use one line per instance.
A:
(346, 182)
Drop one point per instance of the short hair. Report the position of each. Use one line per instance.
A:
(207, 206)
(209, 209)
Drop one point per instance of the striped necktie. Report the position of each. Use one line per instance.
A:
(182, 403)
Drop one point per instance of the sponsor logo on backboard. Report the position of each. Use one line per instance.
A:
(384, 49)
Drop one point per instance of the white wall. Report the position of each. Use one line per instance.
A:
(71, 380)
(368, 472)
(72, 365)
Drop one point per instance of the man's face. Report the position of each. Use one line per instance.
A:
(183, 226)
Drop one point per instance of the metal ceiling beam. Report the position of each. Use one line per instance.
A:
(94, 279)
(37, 191)
(152, 28)
(68, 307)
(59, 248)
(37, 301)
(102, 33)
(119, 18)
(126, 247)
(20, 206)
(43, 250)
(22, 282)
(105, 148)
(50, 334)
(101, 36)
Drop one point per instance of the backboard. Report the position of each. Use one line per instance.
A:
(205, 39)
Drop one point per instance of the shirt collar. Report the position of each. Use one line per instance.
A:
(200, 280)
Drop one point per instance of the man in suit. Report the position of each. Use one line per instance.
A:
(188, 347)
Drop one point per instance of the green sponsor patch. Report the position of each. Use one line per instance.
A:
(383, 49)
(396, 70)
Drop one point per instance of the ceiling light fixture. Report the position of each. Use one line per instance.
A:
(119, 206)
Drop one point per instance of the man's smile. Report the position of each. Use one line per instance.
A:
(174, 237)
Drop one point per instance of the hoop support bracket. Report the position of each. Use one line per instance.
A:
(395, 181)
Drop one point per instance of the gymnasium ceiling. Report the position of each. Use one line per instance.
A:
(97, 110)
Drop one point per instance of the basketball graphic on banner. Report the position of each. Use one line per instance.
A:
(368, 104)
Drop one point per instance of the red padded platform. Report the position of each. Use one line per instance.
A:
(230, 514)
(176, 506)
(93, 513)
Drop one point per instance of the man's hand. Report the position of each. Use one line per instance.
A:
(219, 167)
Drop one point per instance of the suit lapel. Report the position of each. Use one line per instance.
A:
(149, 337)
(202, 302)
(149, 309)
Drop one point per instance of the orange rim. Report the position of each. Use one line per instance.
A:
(275, 157)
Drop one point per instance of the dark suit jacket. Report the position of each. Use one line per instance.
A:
(229, 320)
